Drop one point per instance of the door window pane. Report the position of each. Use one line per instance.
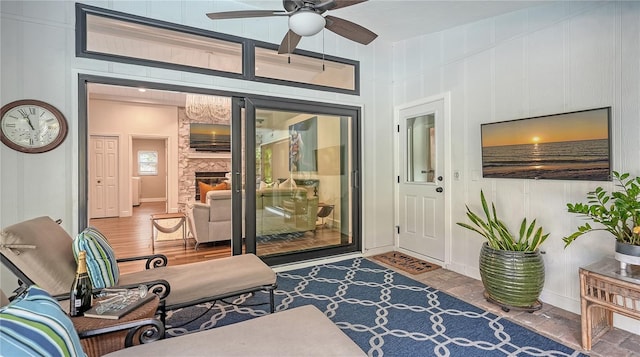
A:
(420, 150)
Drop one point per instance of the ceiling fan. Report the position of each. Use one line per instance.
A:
(305, 19)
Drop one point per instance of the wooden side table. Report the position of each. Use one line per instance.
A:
(604, 289)
(103, 344)
(182, 224)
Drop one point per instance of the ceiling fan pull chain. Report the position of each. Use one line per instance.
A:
(289, 47)
(323, 32)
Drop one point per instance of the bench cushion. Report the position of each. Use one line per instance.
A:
(41, 249)
(301, 331)
(210, 278)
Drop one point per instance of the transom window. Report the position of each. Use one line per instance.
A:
(120, 37)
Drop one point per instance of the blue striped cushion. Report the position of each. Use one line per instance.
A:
(101, 260)
(35, 325)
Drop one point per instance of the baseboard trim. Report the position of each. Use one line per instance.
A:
(157, 199)
(379, 250)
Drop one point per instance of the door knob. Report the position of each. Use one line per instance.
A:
(439, 178)
(439, 189)
(99, 181)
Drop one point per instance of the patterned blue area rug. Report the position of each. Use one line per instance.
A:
(385, 313)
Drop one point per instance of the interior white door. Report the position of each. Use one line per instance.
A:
(420, 188)
(103, 176)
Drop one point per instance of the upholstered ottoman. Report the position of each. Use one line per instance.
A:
(301, 331)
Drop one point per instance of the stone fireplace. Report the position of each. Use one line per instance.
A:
(190, 162)
(210, 178)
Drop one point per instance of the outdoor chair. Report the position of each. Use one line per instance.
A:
(38, 326)
(39, 251)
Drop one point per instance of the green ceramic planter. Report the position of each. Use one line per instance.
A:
(513, 279)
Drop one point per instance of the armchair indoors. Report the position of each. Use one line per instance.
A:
(279, 210)
(212, 220)
(39, 251)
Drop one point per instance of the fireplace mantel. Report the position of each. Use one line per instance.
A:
(209, 155)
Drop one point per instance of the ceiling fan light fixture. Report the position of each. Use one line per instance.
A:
(306, 23)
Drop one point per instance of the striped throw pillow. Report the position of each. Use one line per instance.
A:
(101, 260)
(34, 324)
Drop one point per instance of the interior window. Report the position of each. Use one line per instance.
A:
(147, 163)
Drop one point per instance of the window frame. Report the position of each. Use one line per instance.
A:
(314, 55)
(248, 51)
(146, 173)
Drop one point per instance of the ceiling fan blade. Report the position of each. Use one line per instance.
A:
(245, 13)
(349, 30)
(289, 42)
(344, 3)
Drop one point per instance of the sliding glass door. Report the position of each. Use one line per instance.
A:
(294, 165)
(302, 182)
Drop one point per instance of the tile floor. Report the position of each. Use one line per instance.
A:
(558, 324)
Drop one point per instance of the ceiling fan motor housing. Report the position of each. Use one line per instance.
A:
(306, 22)
(305, 19)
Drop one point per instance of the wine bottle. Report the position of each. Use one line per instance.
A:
(80, 296)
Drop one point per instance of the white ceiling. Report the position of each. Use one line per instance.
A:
(396, 20)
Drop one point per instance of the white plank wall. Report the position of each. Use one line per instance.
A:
(544, 60)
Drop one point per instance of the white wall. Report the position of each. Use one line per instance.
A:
(545, 60)
(37, 58)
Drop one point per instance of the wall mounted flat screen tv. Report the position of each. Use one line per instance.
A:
(567, 146)
(210, 137)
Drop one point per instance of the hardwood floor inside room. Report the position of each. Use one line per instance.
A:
(131, 236)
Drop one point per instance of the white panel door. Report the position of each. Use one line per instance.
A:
(420, 192)
(103, 176)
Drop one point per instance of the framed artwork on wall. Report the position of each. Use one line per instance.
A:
(303, 145)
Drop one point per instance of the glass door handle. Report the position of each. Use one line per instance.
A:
(238, 180)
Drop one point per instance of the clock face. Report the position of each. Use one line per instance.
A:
(32, 126)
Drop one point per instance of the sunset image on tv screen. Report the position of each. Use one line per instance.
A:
(209, 137)
(569, 146)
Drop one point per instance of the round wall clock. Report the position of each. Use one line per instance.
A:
(32, 126)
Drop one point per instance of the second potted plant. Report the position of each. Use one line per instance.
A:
(512, 269)
(617, 213)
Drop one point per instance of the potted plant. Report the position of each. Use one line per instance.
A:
(512, 269)
(616, 212)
